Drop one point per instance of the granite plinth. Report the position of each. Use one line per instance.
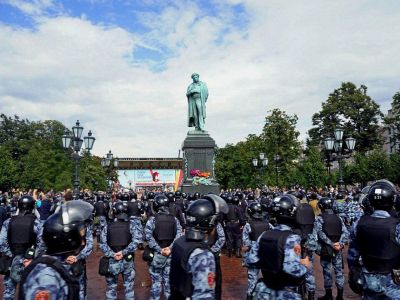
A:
(198, 153)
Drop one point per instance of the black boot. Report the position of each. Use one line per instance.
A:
(311, 295)
(328, 295)
(339, 294)
(238, 254)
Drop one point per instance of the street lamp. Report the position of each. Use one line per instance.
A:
(263, 165)
(335, 146)
(75, 142)
(277, 158)
(110, 163)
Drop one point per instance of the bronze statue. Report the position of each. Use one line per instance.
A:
(197, 94)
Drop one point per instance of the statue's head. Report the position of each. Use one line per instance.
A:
(195, 77)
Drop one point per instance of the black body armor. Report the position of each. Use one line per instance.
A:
(181, 281)
(165, 230)
(272, 254)
(257, 228)
(20, 233)
(118, 235)
(376, 239)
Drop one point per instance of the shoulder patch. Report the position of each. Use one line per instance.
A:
(211, 279)
(42, 295)
(297, 249)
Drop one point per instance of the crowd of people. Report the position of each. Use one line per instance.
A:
(46, 238)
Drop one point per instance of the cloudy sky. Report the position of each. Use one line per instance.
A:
(122, 66)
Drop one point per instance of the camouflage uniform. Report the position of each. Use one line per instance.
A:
(160, 266)
(216, 250)
(252, 271)
(319, 236)
(354, 211)
(379, 286)
(341, 209)
(83, 255)
(124, 267)
(291, 265)
(45, 278)
(201, 264)
(10, 281)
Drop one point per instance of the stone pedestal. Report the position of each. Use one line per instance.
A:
(198, 153)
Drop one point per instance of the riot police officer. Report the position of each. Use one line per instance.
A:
(18, 234)
(4, 210)
(100, 214)
(251, 232)
(119, 241)
(376, 239)
(193, 266)
(233, 221)
(50, 276)
(278, 254)
(331, 234)
(160, 232)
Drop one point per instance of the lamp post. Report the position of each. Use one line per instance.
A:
(109, 163)
(263, 164)
(75, 143)
(339, 152)
(277, 158)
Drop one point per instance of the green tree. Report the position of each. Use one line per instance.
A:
(31, 156)
(279, 137)
(313, 172)
(352, 109)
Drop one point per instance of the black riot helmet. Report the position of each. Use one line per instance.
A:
(229, 198)
(125, 197)
(100, 197)
(64, 231)
(151, 195)
(325, 203)
(240, 195)
(133, 195)
(202, 214)
(161, 202)
(285, 208)
(251, 196)
(255, 211)
(381, 195)
(184, 195)
(120, 210)
(170, 196)
(235, 200)
(26, 204)
(178, 194)
(196, 195)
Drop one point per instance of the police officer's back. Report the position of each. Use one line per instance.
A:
(18, 234)
(252, 230)
(48, 277)
(193, 266)
(278, 254)
(119, 240)
(376, 239)
(160, 232)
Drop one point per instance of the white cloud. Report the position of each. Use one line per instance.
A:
(291, 55)
(35, 7)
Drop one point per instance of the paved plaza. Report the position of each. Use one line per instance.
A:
(234, 279)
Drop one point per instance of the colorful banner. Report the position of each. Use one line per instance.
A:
(149, 177)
